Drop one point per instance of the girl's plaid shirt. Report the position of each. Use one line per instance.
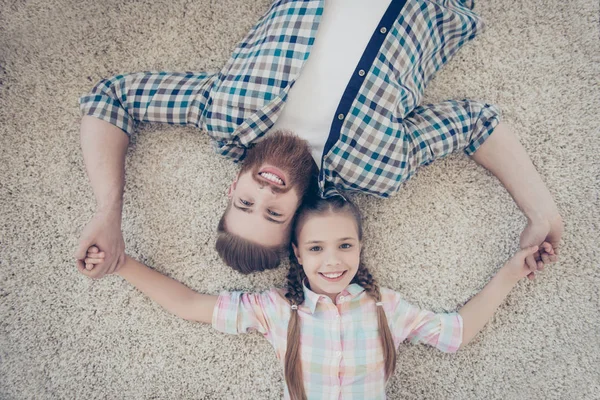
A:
(379, 135)
(342, 356)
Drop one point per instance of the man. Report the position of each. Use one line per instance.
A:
(355, 101)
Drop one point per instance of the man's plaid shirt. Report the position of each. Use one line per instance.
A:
(379, 135)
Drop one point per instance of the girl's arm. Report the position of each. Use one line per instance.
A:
(478, 311)
(170, 294)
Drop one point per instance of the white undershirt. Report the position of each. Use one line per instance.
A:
(343, 34)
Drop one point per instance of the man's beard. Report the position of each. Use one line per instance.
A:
(288, 152)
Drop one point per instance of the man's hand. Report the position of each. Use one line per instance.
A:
(103, 231)
(537, 232)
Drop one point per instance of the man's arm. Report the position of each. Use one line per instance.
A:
(504, 156)
(104, 147)
(111, 111)
(436, 130)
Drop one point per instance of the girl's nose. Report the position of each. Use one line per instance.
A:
(332, 259)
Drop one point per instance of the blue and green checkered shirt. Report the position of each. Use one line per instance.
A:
(379, 135)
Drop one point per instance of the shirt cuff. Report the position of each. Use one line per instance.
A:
(489, 118)
(451, 333)
(105, 108)
(224, 318)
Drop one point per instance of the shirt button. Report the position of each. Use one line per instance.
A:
(383, 29)
(361, 72)
(342, 298)
(341, 116)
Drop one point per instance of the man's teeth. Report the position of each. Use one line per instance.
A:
(333, 276)
(272, 177)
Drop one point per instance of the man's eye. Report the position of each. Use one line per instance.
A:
(345, 246)
(273, 213)
(315, 248)
(246, 203)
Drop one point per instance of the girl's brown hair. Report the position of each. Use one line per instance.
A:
(295, 295)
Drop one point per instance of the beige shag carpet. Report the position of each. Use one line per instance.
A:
(437, 241)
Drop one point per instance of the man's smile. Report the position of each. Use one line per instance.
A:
(273, 175)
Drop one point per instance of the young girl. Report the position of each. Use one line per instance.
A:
(334, 329)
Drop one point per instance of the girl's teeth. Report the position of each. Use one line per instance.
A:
(333, 276)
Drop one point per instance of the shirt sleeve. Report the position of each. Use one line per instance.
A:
(435, 130)
(167, 97)
(443, 331)
(238, 312)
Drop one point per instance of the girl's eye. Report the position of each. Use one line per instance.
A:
(273, 213)
(246, 203)
(345, 246)
(315, 248)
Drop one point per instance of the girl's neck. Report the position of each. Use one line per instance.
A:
(332, 296)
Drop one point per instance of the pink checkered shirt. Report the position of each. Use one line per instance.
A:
(341, 351)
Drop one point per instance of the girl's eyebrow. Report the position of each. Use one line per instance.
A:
(321, 241)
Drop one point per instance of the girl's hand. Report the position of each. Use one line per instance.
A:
(93, 257)
(517, 267)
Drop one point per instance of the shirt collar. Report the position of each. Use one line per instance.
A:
(311, 299)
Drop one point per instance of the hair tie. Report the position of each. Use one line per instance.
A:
(294, 307)
(379, 304)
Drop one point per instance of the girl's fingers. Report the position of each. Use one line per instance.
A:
(95, 255)
(93, 249)
(540, 266)
(94, 260)
(89, 267)
(527, 254)
(548, 248)
(545, 258)
(530, 261)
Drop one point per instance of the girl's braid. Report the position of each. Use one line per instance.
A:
(295, 277)
(364, 278)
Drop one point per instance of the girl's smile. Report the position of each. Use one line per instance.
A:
(333, 276)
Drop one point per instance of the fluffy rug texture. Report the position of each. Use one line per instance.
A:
(438, 241)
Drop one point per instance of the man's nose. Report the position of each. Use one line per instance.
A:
(269, 189)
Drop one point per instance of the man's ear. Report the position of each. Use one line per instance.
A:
(297, 253)
(231, 188)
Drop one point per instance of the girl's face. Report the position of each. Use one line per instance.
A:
(329, 251)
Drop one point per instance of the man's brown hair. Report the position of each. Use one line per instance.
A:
(244, 255)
